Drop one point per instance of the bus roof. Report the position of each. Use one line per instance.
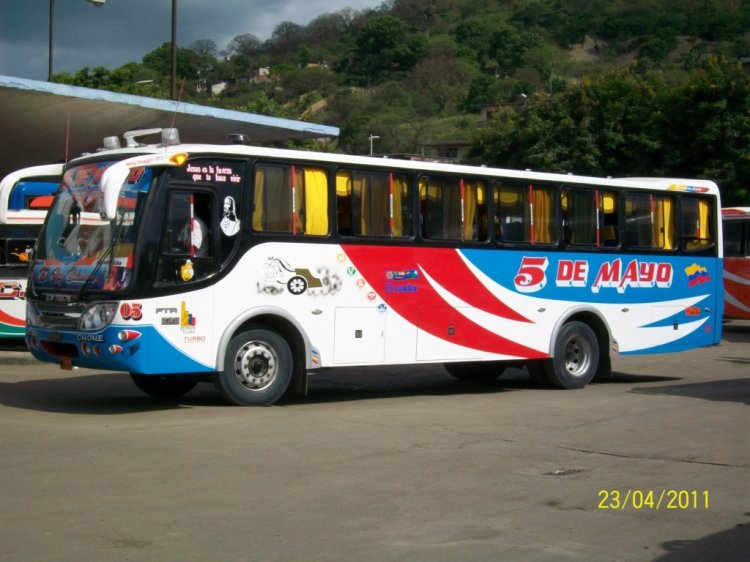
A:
(735, 212)
(237, 150)
(38, 180)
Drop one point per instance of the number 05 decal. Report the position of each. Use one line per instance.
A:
(531, 276)
(131, 311)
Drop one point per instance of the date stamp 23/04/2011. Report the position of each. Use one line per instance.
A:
(666, 498)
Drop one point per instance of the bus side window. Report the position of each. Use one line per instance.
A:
(290, 198)
(609, 231)
(453, 208)
(579, 212)
(512, 213)
(650, 221)
(696, 223)
(373, 203)
(589, 217)
(732, 238)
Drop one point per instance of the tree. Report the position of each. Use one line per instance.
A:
(709, 126)
(383, 50)
(160, 60)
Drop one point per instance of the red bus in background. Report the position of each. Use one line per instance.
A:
(736, 223)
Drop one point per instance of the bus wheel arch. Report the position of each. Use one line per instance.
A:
(579, 351)
(286, 331)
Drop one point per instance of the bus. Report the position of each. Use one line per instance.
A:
(736, 227)
(25, 196)
(317, 260)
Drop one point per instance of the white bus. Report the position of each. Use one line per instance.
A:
(252, 267)
(25, 196)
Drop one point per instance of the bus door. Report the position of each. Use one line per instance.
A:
(200, 230)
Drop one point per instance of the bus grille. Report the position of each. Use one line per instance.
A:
(58, 316)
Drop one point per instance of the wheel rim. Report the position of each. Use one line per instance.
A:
(256, 365)
(577, 356)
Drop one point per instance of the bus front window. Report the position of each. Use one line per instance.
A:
(79, 250)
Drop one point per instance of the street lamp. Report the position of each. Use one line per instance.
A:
(173, 87)
(372, 138)
(97, 3)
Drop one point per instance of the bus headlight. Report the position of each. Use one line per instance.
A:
(97, 316)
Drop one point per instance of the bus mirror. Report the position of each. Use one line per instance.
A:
(112, 181)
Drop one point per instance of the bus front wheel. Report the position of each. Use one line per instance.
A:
(257, 368)
(164, 387)
(575, 358)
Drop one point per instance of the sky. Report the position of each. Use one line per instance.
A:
(122, 31)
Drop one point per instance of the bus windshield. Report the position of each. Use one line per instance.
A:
(80, 250)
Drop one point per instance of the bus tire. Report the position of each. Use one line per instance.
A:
(164, 387)
(257, 368)
(538, 373)
(575, 358)
(475, 371)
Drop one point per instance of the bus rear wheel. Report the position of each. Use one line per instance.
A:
(164, 387)
(257, 368)
(576, 357)
(475, 371)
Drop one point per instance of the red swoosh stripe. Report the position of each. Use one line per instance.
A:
(424, 307)
(11, 320)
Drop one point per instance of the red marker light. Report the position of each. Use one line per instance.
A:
(114, 349)
(128, 335)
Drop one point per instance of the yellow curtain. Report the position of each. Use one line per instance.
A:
(344, 201)
(258, 218)
(343, 183)
(704, 215)
(359, 185)
(400, 191)
(542, 200)
(316, 202)
(470, 210)
(664, 223)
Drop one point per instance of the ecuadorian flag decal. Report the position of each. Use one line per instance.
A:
(697, 275)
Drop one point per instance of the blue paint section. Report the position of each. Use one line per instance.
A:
(621, 279)
(148, 354)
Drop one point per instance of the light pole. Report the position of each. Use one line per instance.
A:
(173, 87)
(97, 3)
(372, 138)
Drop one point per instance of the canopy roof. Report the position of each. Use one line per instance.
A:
(43, 122)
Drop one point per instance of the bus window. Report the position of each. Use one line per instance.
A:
(372, 203)
(186, 238)
(733, 239)
(290, 198)
(649, 221)
(580, 216)
(608, 207)
(524, 213)
(696, 221)
(453, 208)
(589, 217)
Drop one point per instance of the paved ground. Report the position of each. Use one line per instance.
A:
(386, 464)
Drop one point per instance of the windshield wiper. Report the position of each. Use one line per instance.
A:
(108, 253)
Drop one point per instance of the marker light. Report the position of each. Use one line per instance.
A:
(114, 349)
(178, 158)
(111, 143)
(97, 316)
(128, 335)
